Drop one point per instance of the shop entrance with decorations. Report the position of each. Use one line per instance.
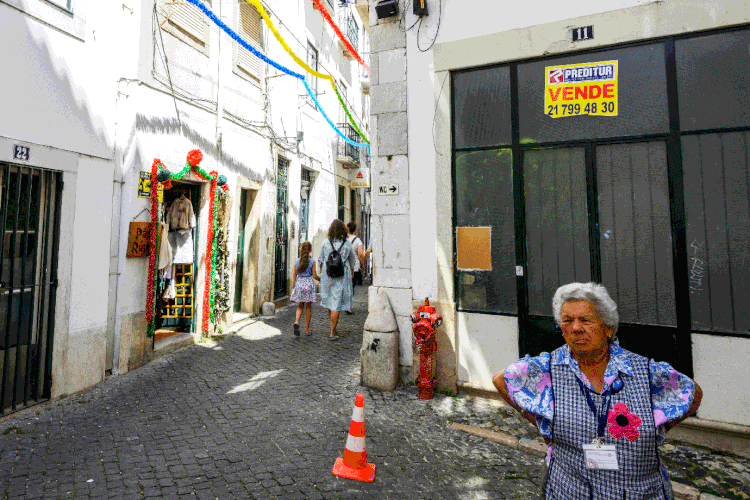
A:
(175, 288)
(176, 297)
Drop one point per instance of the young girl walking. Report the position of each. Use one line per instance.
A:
(304, 286)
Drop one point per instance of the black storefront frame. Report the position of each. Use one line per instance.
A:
(673, 143)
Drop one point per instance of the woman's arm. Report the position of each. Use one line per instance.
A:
(691, 411)
(499, 381)
(294, 275)
(315, 272)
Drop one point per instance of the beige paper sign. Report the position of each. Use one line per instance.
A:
(474, 248)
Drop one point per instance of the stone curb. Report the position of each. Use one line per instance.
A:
(681, 491)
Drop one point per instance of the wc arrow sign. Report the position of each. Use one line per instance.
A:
(388, 189)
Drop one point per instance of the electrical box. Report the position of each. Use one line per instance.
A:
(387, 8)
(420, 7)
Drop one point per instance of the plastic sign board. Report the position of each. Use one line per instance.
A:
(581, 89)
(144, 187)
(388, 189)
(362, 180)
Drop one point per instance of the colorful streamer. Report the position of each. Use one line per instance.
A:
(242, 42)
(207, 295)
(351, 120)
(150, 299)
(259, 7)
(357, 144)
(281, 68)
(348, 45)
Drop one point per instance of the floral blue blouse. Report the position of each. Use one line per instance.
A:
(529, 384)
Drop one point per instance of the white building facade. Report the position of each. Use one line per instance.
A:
(105, 90)
(507, 190)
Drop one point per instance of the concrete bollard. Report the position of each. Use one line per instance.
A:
(379, 354)
(268, 309)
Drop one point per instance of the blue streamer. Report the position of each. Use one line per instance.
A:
(357, 144)
(242, 42)
(276, 65)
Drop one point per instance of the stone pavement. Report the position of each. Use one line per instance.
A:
(263, 414)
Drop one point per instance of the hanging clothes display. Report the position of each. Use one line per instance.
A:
(181, 220)
(180, 215)
(165, 250)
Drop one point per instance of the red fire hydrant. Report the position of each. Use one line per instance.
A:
(425, 320)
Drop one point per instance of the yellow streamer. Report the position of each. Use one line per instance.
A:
(259, 7)
(267, 19)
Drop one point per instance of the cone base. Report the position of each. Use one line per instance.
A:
(367, 474)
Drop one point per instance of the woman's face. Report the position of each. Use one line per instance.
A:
(583, 329)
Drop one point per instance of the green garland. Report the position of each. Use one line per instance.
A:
(341, 100)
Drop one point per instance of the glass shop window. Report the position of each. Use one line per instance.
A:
(482, 107)
(716, 179)
(713, 81)
(485, 234)
(641, 97)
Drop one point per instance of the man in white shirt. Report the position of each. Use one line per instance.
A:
(359, 263)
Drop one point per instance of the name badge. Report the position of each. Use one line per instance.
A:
(602, 457)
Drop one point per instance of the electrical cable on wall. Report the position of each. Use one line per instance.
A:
(434, 116)
(440, 16)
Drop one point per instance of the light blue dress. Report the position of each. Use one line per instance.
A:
(336, 293)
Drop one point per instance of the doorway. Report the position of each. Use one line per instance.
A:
(177, 290)
(282, 232)
(30, 217)
(246, 267)
(601, 212)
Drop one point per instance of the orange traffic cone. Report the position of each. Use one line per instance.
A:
(354, 464)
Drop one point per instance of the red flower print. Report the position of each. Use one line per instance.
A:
(623, 423)
(194, 157)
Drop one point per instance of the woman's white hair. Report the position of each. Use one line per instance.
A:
(604, 306)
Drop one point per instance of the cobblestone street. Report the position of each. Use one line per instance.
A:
(260, 414)
(263, 414)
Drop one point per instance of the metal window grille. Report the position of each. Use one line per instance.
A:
(30, 217)
(347, 153)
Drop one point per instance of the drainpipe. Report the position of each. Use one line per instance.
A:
(219, 94)
(123, 206)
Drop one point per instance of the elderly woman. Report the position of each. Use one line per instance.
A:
(601, 409)
(336, 293)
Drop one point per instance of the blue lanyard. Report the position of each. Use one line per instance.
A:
(602, 416)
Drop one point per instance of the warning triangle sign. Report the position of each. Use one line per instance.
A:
(359, 175)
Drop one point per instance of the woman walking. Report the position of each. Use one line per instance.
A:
(336, 263)
(304, 286)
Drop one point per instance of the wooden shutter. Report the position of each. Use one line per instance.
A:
(189, 19)
(250, 31)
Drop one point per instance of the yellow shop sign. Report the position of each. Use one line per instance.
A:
(581, 89)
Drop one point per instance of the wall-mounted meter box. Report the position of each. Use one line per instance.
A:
(420, 7)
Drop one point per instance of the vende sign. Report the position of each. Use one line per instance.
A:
(581, 89)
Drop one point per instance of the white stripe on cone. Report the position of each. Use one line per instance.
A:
(358, 415)
(355, 444)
